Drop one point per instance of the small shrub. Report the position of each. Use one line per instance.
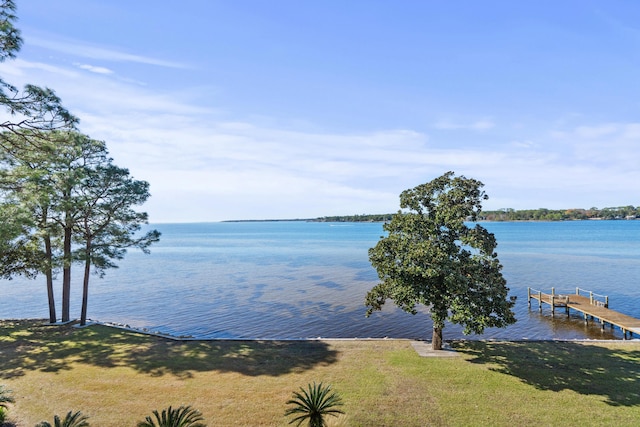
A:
(5, 397)
(184, 416)
(313, 405)
(72, 419)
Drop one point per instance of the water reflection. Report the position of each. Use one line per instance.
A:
(302, 280)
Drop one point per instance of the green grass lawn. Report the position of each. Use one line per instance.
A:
(118, 377)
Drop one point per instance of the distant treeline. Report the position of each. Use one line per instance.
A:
(621, 212)
(355, 218)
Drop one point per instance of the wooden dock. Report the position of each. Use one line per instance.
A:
(593, 306)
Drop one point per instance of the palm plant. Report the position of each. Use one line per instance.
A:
(72, 419)
(5, 397)
(313, 405)
(184, 416)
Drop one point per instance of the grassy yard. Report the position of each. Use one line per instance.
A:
(118, 377)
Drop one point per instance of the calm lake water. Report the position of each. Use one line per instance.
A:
(291, 280)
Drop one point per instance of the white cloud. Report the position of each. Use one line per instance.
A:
(524, 144)
(482, 125)
(593, 132)
(204, 166)
(94, 69)
(477, 125)
(612, 147)
(81, 49)
(21, 69)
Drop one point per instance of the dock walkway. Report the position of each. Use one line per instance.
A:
(593, 306)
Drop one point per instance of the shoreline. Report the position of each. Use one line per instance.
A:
(185, 338)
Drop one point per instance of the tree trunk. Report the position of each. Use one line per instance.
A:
(436, 340)
(66, 275)
(49, 274)
(85, 283)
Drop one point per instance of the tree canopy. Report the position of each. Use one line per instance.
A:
(107, 224)
(432, 257)
(33, 109)
(66, 202)
(61, 198)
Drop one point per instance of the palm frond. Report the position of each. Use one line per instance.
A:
(313, 404)
(72, 419)
(5, 397)
(184, 416)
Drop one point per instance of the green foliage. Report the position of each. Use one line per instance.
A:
(18, 253)
(184, 416)
(106, 219)
(5, 397)
(106, 222)
(10, 40)
(313, 405)
(67, 202)
(36, 108)
(433, 258)
(72, 419)
(542, 214)
(355, 218)
(620, 212)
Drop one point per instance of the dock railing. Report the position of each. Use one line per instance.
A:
(590, 305)
(553, 299)
(593, 298)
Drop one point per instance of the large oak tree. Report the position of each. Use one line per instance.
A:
(432, 257)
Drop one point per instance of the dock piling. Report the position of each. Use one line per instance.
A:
(540, 300)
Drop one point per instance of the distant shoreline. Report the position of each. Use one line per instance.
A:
(628, 212)
(350, 218)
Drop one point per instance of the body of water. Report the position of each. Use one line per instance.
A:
(291, 280)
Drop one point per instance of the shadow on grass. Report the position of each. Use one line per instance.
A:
(27, 345)
(613, 373)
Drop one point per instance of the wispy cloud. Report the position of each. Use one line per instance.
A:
(94, 69)
(81, 49)
(607, 145)
(204, 165)
(475, 125)
(25, 70)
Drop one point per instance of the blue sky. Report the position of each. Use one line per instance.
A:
(250, 109)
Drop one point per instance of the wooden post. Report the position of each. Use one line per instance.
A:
(577, 290)
(590, 297)
(553, 303)
(529, 296)
(540, 300)
(553, 291)
(606, 302)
